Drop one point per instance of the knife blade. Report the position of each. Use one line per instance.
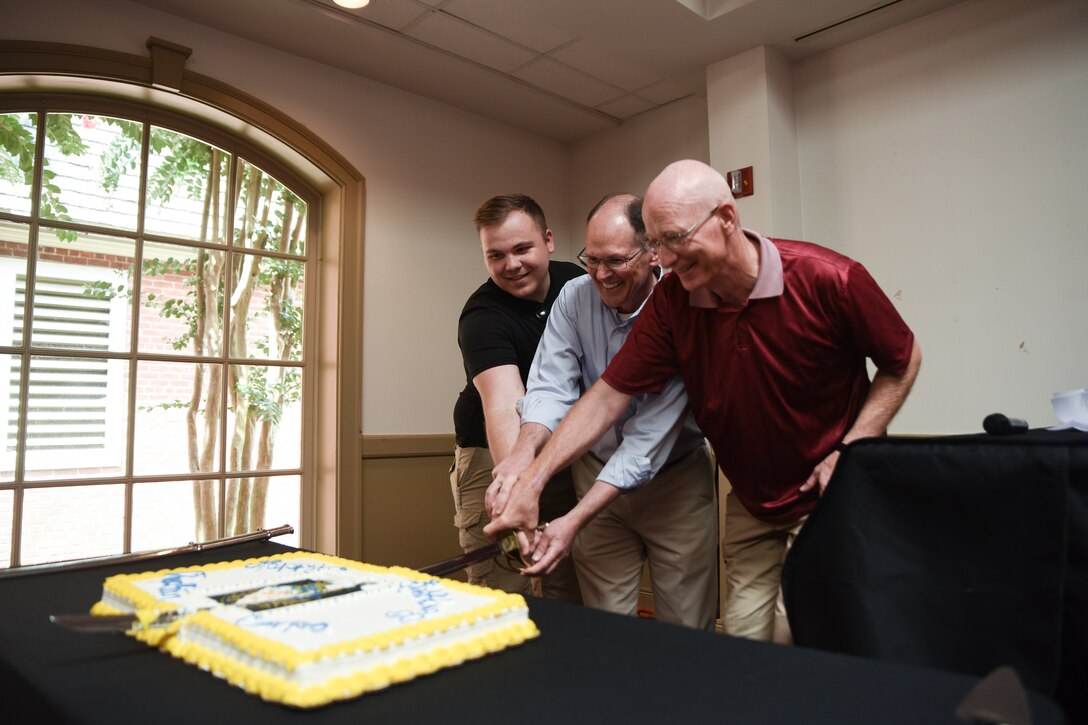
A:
(113, 623)
(97, 624)
(507, 545)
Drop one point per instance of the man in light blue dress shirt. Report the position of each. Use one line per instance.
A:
(646, 489)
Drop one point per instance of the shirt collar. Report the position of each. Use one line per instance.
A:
(657, 273)
(769, 279)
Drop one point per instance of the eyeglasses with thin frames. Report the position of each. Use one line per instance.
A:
(672, 242)
(616, 264)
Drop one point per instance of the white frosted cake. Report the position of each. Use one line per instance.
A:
(308, 629)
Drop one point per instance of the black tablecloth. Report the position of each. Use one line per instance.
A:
(586, 666)
(961, 553)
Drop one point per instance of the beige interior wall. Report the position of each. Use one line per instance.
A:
(752, 123)
(407, 504)
(949, 156)
(628, 157)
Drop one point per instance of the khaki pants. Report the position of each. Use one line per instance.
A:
(469, 478)
(753, 551)
(672, 522)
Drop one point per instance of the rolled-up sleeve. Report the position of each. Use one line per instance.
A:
(648, 437)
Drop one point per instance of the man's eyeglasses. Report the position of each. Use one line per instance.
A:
(616, 264)
(672, 242)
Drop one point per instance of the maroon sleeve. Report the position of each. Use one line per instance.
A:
(878, 330)
(648, 356)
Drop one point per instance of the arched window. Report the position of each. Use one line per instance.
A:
(170, 362)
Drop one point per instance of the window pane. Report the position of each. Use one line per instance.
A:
(14, 246)
(82, 292)
(7, 513)
(262, 503)
(92, 170)
(177, 417)
(77, 417)
(164, 514)
(187, 188)
(267, 301)
(268, 215)
(264, 415)
(10, 370)
(19, 133)
(181, 295)
(72, 522)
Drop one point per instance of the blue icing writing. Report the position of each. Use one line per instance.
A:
(173, 586)
(298, 567)
(258, 621)
(404, 616)
(427, 597)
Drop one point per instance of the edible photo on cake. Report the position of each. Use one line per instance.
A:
(284, 595)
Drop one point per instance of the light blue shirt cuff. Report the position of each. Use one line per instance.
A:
(626, 472)
(542, 411)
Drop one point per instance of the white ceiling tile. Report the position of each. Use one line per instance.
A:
(466, 40)
(567, 82)
(503, 18)
(663, 92)
(393, 14)
(661, 37)
(600, 63)
(625, 106)
(710, 9)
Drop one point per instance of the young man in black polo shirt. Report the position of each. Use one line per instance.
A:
(498, 332)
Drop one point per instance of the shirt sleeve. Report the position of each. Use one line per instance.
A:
(648, 437)
(875, 324)
(555, 378)
(486, 341)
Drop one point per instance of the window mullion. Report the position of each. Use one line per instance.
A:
(22, 419)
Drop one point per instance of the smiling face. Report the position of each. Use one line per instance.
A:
(697, 258)
(682, 195)
(609, 236)
(516, 256)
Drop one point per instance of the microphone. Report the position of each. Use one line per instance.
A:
(997, 424)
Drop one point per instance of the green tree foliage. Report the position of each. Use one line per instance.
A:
(17, 161)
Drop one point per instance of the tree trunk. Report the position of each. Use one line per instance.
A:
(203, 491)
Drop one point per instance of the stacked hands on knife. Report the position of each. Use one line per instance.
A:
(513, 503)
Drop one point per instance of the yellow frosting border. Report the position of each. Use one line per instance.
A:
(278, 689)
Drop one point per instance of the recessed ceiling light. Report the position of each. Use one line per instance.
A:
(352, 3)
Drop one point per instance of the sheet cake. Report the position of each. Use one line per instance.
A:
(307, 629)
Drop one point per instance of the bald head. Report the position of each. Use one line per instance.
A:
(691, 213)
(686, 183)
